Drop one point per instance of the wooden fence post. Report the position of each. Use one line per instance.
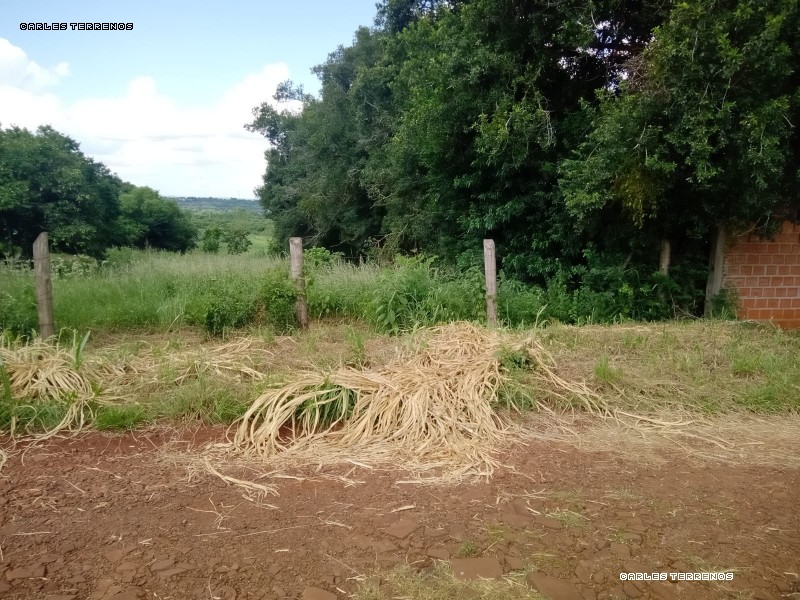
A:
(296, 258)
(44, 286)
(490, 266)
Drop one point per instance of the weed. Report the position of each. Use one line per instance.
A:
(605, 373)
(204, 400)
(30, 417)
(276, 301)
(497, 533)
(617, 536)
(357, 349)
(439, 583)
(125, 417)
(568, 518)
(468, 549)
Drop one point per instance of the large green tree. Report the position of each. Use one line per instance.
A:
(446, 124)
(47, 184)
(704, 129)
(147, 220)
(313, 185)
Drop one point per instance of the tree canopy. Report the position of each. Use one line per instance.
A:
(575, 134)
(48, 184)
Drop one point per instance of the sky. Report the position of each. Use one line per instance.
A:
(164, 105)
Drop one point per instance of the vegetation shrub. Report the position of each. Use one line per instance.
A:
(18, 310)
(276, 301)
(401, 296)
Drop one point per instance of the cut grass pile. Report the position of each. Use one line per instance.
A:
(431, 411)
(678, 376)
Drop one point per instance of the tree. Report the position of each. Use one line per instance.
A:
(211, 239)
(149, 220)
(236, 239)
(47, 184)
(447, 124)
(704, 131)
(313, 185)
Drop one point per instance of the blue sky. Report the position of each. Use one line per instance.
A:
(163, 105)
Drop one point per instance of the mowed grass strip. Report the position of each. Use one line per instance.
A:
(709, 366)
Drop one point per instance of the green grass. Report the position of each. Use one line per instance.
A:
(161, 291)
(123, 417)
(468, 549)
(605, 373)
(32, 416)
(568, 518)
(709, 366)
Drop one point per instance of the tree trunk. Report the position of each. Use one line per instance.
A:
(490, 269)
(665, 258)
(716, 264)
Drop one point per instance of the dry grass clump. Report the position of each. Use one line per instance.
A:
(439, 583)
(431, 410)
(39, 373)
(230, 361)
(41, 369)
(44, 370)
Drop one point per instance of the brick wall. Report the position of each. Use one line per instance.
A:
(766, 274)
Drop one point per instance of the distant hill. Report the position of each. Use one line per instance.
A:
(221, 204)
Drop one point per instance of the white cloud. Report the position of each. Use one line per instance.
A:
(145, 136)
(19, 71)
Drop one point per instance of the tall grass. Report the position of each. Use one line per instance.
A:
(166, 291)
(159, 290)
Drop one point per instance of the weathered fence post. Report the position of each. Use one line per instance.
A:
(490, 266)
(44, 286)
(296, 258)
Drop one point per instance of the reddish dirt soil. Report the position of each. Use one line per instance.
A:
(106, 516)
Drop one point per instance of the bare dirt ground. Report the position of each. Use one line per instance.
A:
(114, 516)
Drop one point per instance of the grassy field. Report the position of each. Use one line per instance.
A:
(161, 291)
(703, 368)
(176, 311)
(164, 292)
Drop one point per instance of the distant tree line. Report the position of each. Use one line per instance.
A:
(48, 184)
(586, 138)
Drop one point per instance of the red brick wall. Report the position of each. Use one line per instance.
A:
(766, 274)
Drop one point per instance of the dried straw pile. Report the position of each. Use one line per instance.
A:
(432, 412)
(39, 370)
(229, 361)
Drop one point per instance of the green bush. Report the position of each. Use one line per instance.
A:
(400, 298)
(219, 303)
(276, 301)
(18, 309)
(212, 237)
(237, 240)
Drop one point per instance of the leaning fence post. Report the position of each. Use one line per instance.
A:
(490, 266)
(44, 286)
(296, 262)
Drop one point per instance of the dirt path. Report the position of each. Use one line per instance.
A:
(107, 516)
